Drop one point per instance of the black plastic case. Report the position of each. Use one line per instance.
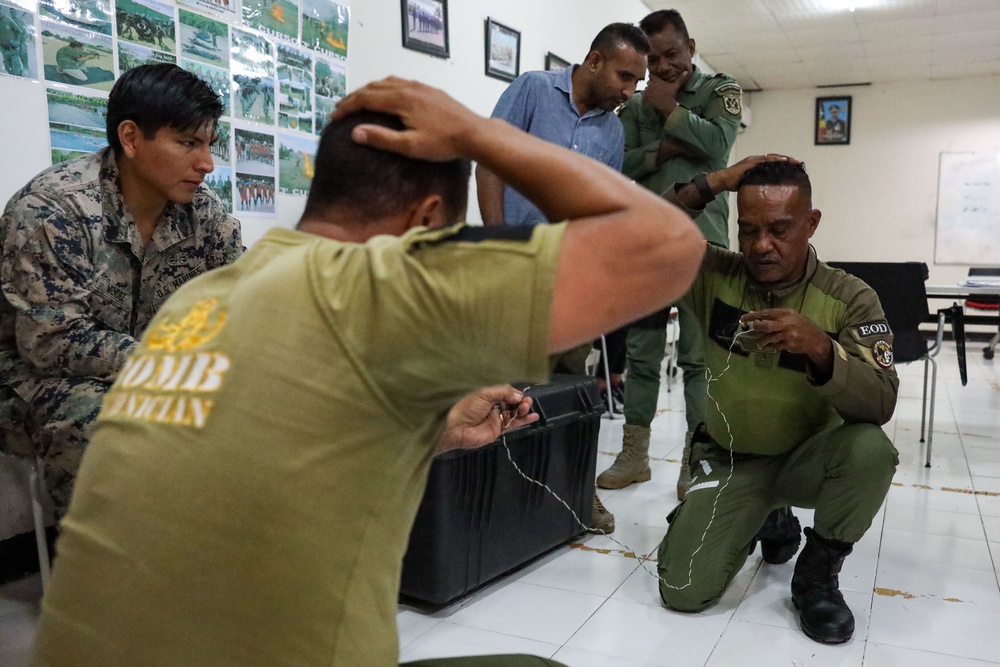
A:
(479, 518)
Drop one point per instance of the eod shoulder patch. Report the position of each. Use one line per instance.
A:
(874, 341)
(732, 97)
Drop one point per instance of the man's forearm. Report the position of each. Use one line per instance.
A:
(670, 148)
(489, 192)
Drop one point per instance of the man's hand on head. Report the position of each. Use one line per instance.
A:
(787, 330)
(437, 127)
(728, 179)
(482, 416)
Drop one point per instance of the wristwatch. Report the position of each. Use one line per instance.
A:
(701, 182)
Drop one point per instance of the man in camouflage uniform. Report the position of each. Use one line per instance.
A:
(91, 248)
(684, 123)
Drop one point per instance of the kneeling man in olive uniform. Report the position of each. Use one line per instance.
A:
(801, 378)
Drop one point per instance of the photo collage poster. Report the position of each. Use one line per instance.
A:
(279, 67)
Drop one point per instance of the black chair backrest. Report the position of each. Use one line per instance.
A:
(901, 290)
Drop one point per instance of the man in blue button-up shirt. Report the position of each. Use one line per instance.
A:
(573, 108)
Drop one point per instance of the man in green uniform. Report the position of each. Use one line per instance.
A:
(257, 467)
(801, 378)
(684, 123)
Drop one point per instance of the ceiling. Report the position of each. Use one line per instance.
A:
(772, 44)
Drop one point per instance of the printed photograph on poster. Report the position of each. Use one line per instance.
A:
(93, 15)
(227, 9)
(254, 153)
(217, 79)
(425, 26)
(79, 110)
(256, 193)
(60, 155)
(324, 109)
(204, 39)
(324, 26)
(254, 98)
(76, 138)
(146, 22)
(275, 17)
(220, 147)
(295, 85)
(296, 157)
(77, 57)
(252, 55)
(17, 41)
(331, 86)
(133, 55)
(220, 181)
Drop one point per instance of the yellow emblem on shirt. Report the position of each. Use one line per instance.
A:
(199, 326)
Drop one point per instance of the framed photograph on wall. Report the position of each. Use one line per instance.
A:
(833, 120)
(554, 63)
(425, 26)
(503, 51)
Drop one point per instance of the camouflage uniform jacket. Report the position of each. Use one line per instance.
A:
(78, 288)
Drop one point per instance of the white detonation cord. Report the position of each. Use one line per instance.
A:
(643, 559)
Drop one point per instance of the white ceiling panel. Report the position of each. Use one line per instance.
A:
(802, 43)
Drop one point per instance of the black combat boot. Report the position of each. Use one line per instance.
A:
(780, 536)
(823, 614)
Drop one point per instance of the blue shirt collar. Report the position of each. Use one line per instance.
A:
(564, 82)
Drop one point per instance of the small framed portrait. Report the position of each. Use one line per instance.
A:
(425, 26)
(554, 63)
(503, 51)
(833, 121)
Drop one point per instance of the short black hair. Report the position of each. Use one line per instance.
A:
(658, 21)
(376, 183)
(160, 95)
(779, 173)
(620, 34)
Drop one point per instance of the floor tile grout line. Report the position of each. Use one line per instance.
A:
(972, 480)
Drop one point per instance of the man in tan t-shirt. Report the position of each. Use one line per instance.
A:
(248, 493)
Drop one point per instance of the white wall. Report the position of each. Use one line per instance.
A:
(564, 27)
(879, 194)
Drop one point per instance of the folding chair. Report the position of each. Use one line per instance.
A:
(36, 492)
(900, 287)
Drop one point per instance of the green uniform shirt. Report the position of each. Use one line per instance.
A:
(248, 493)
(770, 400)
(707, 121)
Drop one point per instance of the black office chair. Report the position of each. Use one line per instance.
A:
(986, 303)
(901, 290)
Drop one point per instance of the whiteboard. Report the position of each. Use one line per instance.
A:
(968, 213)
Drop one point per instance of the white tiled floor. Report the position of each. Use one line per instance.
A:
(922, 583)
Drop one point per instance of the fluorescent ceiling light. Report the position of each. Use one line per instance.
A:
(847, 5)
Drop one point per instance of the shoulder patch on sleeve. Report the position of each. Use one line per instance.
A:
(874, 341)
(732, 97)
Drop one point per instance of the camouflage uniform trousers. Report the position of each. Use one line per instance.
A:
(54, 425)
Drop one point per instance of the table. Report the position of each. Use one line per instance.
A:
(953, 292)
